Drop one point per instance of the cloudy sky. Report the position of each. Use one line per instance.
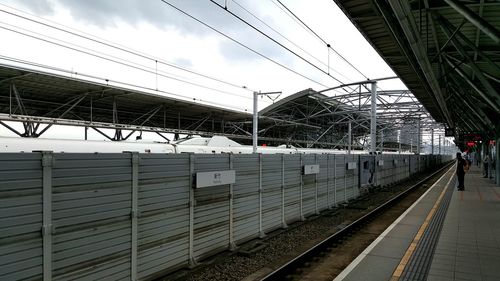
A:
(173, 35)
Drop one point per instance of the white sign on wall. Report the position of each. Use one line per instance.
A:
(206, 179)
(352, 165)
(381, 162)
(311, 169)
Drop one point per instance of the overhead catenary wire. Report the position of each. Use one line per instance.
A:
(241, 44)
(322, 40)
(117, 47)
(287, 39)
(110, 58)
(117, 83)
(275, 41)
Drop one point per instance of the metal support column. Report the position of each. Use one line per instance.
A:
(349, 139)
(439, 144)
(419, 136)
(432, 141)
(47, 164)
(133, 215)
(255, 121)
(373, 119)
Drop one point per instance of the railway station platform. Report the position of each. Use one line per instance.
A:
(446, 235)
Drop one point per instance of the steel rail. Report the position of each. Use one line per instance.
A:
(289, 268)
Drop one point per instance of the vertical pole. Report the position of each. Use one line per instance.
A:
(255, 121)
(192, 260)
(316, 210)
(328, 181)
(47, 164)
(399, 141)
(439, 144)
(411, 145)
(418, 136)
(261, 230)
(497, 161)
(301, 188)
(232, 245)
(134, 214)
(373, 119)
(381, 140)
(86, 132)
(283, 220)
(345, 178)
(432, 141)
(335, 180)
(10, 100)
(349, 145)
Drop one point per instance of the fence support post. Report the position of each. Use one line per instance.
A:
(335, 180)
(47, 228)
(316, 187)
(232, 245)
(283, 219)
(302, 218)
(262, 234)
(192, 260)
(134, 214)
(328, 181)
(345, 178)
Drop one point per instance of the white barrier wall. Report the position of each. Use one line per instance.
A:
(138, 216)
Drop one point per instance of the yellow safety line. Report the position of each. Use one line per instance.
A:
(409, 252)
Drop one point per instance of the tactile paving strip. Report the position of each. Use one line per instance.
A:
(420, 262)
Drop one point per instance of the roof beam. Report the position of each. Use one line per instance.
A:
(476, 20)
(404, 16)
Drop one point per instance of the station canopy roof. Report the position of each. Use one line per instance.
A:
(447, 52)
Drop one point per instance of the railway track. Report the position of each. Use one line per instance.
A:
(294, 269)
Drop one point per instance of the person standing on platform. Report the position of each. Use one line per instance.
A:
(486, 162)
(461, 166)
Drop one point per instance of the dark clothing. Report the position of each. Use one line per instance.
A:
(460, 172)
(461, 181)
(460, 165)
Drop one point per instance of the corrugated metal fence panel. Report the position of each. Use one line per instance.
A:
(20, 216)
(246, 197)
(340, 179)
(91, 215)
(352, 177)
(323, 181)
(211, 212)
(163, 227)
(292, 187)
(309, 188)
(271, 187)
(331, 179)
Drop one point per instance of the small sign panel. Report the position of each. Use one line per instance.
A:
(206, 179)
(395, 161)
(448, 132)
(351, 165)
(311, 169)
(380, 162)
(406, 160)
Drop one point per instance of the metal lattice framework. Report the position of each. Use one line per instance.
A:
(308, 118)
(328, 118)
